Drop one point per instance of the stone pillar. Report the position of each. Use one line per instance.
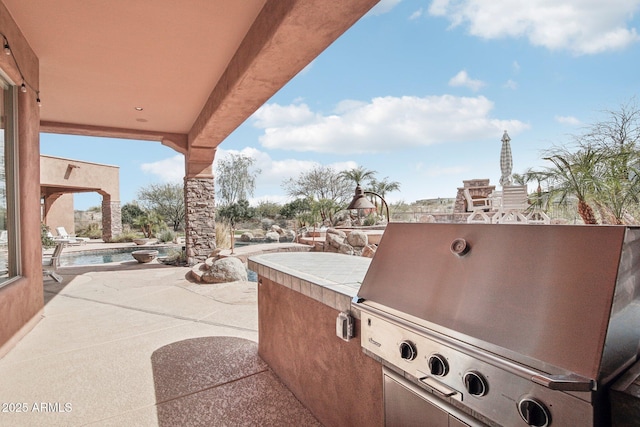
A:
(200, 225)
(111, 218)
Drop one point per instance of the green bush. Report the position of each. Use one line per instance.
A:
(47, 242)
(166, 236)
(126, 237)
(92, 231)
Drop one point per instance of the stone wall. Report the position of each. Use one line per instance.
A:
(200, 225)
(111, 219)
(477, 188)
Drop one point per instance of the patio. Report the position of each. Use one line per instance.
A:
(138, 344)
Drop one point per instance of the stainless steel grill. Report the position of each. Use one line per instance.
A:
(511, 324)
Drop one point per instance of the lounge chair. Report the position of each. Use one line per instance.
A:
(50, 263)
(62, 232)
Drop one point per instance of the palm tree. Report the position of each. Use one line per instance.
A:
(358, 175)
(383, 187)
(571, 174)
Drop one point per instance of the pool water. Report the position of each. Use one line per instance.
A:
(106, 256)
(119, 255)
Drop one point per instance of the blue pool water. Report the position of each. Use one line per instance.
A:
(119, 255)
(105, 256)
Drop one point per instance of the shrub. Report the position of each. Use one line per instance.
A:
(166, 236)
(223, 235)
(92, 231)
(266, 223)
(47, 241)
(125, 237)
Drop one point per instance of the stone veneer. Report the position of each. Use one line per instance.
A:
(111, 219)
(200, 224)
(477, 188)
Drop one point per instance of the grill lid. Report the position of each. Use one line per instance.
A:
(548, 296)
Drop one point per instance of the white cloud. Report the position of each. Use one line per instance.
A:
(510, 84)
(383, 7)
(168, 170)
(382, 125)
(274, 172)
(515, 66)
(567, 120)
(579, 26)
(463, 79)
(417, 14)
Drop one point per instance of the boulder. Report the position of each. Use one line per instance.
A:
(369, 251)
(277, 229)
(345, 249)
(357, 239)
(334, 240)
(246, 237)
(338, 233)
(225, 270)
(272, 236)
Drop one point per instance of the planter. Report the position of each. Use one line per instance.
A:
(144, 256)
(144, 241)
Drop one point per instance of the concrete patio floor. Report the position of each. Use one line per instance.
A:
(140, 345)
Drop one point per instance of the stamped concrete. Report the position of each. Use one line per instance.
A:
(139, 345)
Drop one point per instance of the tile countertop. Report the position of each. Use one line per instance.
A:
(330, 278)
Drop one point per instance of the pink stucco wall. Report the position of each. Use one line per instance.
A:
(22, 300)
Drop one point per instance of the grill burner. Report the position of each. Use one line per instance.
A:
(512, 324)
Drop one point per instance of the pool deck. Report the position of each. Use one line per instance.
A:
(141, 345)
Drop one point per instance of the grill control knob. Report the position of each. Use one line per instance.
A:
(408, 350)
(438, 365)
(475, 383)
(534, 413)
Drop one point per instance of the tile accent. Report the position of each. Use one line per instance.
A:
(332, 279)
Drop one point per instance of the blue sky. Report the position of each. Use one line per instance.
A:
(421, 92)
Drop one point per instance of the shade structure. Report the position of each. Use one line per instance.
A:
(506, 160)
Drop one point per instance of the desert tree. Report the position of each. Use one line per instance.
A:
(235, 178)
(167, 200)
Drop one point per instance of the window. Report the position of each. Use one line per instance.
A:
(9, 254)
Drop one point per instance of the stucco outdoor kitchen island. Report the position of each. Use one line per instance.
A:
(300, 296)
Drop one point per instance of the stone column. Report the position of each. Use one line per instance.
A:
(111, 218)
(200, 225)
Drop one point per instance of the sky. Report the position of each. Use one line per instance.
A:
(420, 92)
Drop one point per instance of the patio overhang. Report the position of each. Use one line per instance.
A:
(185, 74)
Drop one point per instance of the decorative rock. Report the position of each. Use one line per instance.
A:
(141, 242)
(339, 233)
(357, 239)
(334, 240)
(229, 269)
(345, 249)
(246, 237)
(272, 236)
(144, 256)
(277, 229)
(369, 251)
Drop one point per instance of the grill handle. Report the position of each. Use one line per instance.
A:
(564, 382)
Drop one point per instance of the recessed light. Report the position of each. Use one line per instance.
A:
(139, 108)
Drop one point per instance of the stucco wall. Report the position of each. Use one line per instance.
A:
(22, 300)
(331, 377)
(59, 213)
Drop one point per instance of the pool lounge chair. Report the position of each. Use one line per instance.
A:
(62, 232)
(50, 263)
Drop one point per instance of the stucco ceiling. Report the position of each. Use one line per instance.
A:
(196, 68)
(99, 60)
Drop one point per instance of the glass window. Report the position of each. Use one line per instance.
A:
(9, 266)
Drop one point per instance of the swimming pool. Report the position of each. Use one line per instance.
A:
(109, 255)
(120, 255)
